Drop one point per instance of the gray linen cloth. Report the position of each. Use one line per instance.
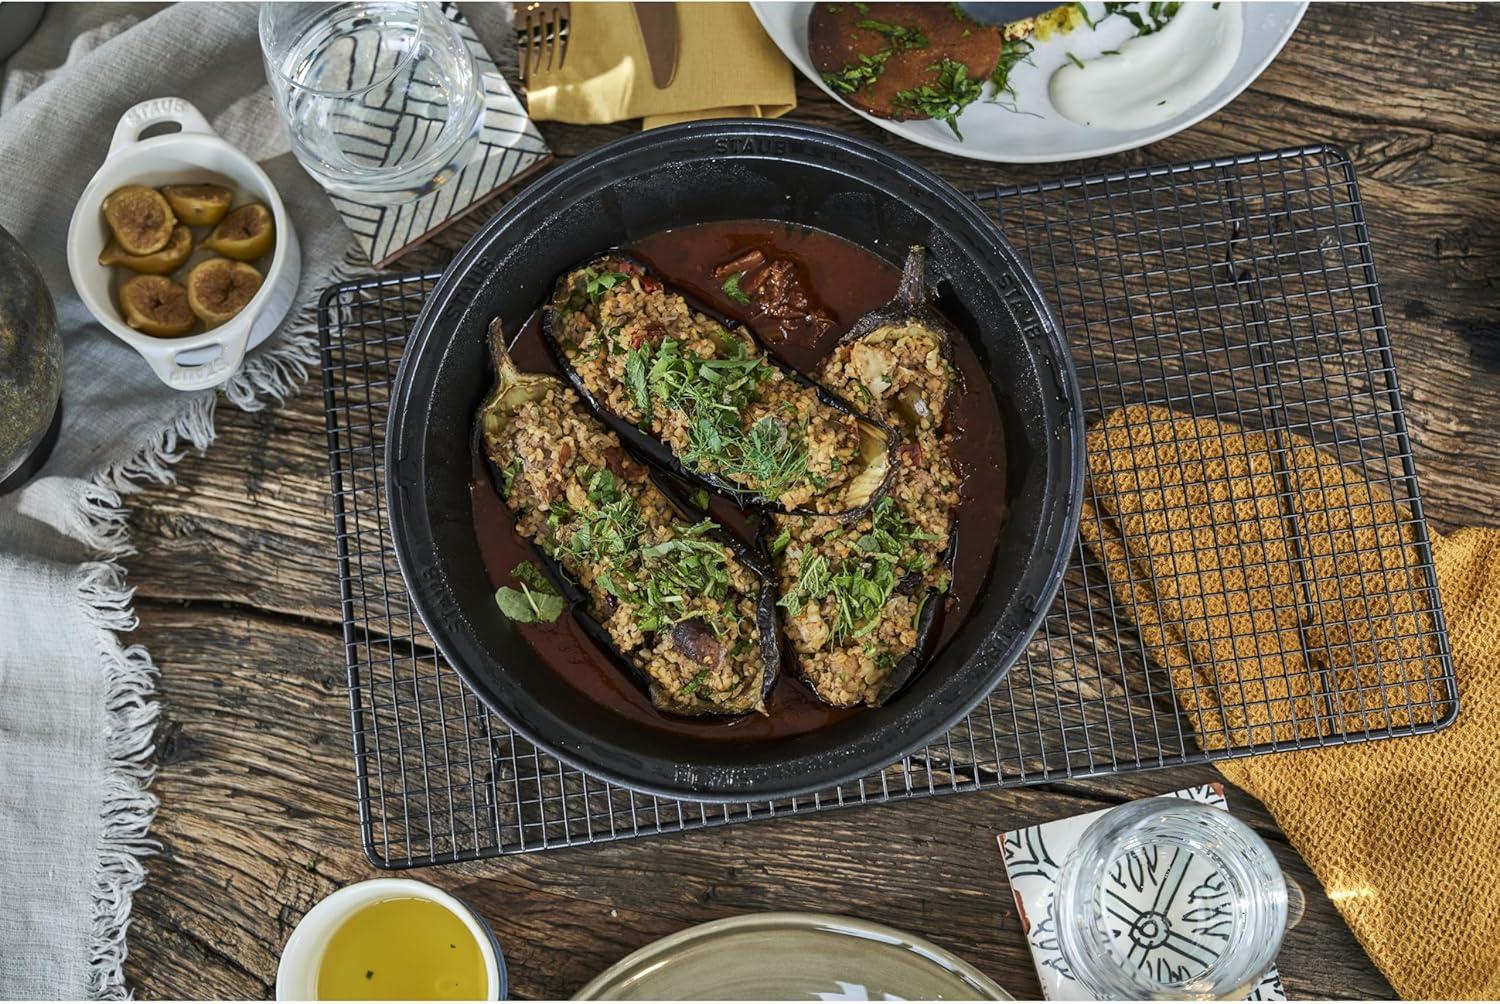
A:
(76, 708)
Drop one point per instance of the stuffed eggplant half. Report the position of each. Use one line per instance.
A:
(699, 396)
(687, 608)
(860, 599)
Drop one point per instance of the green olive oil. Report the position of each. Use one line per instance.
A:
(402, 949)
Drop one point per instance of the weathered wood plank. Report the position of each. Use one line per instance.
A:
(257, 823)
(238, 597)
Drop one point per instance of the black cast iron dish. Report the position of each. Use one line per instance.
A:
(673, 177)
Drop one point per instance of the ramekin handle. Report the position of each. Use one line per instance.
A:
(162, 354)
(157, 111)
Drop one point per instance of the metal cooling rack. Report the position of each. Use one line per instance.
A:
(1240, 289)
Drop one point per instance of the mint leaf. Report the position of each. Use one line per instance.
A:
(527, 606)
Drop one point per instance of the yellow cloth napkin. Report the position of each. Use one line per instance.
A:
(1403, 833)
(727, 67)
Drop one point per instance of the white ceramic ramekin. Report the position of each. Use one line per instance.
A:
(194, 153)
(297, 976)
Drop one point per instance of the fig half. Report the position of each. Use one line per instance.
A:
(156, 305)
(245, 234)
(164, 262)
(198, 205)
(218, 288)
(140, 219)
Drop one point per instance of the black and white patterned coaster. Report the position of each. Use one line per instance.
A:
(509, 148)
(1149, 894)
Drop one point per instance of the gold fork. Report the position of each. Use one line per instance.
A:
(541, 33)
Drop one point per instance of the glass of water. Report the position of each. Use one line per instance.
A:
(1169, 899)
(379, 98)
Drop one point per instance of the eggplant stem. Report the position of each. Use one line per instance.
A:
(505, 368)
(913, 288)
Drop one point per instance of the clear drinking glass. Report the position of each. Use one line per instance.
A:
(1168, 899)
(379, 98)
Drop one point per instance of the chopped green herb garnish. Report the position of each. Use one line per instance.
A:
(1013, 52)
(713, 394)
(531, 575)
(863, 8)
(596, 283)
(867, 67)
(666, 581)
(510, 472)
(1156, 16)
(900, 36)
(700, 498)
(732, 289)
(944, 99)
(693, 684)
(780, 543)
(862, 584)
(637, 366)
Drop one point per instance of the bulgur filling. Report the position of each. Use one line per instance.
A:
(675, 600)
(708, 392)
(854, 594)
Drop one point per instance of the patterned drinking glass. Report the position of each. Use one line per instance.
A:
(1169, 899)
(379, 98)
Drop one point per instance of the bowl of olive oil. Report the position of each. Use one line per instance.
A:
(391, 939)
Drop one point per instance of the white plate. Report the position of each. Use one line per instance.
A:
(1035, 133)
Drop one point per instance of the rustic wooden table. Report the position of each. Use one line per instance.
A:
(238, 601)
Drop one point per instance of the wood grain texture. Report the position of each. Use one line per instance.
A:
(238, 598)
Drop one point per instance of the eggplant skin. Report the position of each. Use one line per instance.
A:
(699, 397)
(632, 561)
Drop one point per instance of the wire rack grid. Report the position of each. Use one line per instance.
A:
(1239, 289)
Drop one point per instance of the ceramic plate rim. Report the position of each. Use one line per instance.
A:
(799, 59)
(789, 920)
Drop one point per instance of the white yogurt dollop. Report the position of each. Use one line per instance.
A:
(1154, 77)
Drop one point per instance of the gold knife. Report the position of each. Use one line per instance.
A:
(658, 23)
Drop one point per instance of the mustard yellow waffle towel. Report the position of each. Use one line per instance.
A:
(1189, 518)
(727, 67)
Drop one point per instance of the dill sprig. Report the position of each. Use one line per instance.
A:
(1013, 52)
